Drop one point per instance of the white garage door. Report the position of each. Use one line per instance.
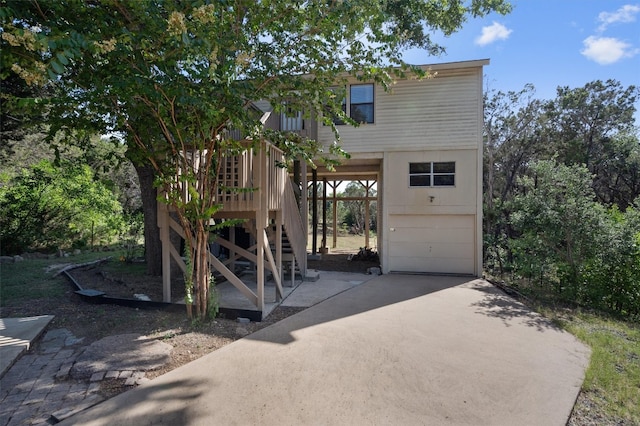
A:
(432, 243)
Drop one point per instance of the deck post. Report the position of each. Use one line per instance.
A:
(304, 209)
(232, 253)
(261, 223)
(279, 225)
(163, 224)
(314, 211)
(334, 185)
(324, 215)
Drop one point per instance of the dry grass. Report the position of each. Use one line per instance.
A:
(346, 243)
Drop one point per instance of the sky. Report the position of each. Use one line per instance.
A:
(550, 43)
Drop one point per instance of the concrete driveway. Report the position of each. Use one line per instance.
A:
(398, 349)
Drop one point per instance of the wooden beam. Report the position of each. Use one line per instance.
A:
(163, 223)
(314, 212)
(260, 264)
(324, 213)
(236, 249)
(274, 271)
(279, 226)
(233, 279)
(334, 185)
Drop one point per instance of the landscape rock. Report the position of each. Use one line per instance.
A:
(131, 352)
(374, 271)
(241, 331)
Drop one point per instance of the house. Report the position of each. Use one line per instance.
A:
(420, 143)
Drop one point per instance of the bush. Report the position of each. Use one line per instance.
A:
(570, 246)
(48, 207)
(613, 275)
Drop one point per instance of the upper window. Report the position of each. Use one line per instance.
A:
(361, 101)
(291, 120)
(358, 104)
(432, 174)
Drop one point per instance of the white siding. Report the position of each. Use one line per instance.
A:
(438, 112)
(431, 229)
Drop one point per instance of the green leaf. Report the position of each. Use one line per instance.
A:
(62, 58)
(57, 68)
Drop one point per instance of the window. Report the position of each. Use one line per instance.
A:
(432, 174)
(361, 99)
(358, 104)
(291, 120)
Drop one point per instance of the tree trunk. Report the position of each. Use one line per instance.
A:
(202, 272)
(152, 244)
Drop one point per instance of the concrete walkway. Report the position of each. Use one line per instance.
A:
(394, 350)
(16, 335)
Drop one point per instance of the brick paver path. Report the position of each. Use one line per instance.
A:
(37, 389)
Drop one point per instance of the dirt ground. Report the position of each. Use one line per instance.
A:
(190, 340)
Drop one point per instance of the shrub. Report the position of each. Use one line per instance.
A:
(570, 246)
(49, 207)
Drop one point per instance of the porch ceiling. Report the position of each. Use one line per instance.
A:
(353, 169)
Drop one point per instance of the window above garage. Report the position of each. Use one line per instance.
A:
(358, 104)
(432, 174)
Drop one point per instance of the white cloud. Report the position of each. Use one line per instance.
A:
(625, 14)
(493, 32)
(606, 50)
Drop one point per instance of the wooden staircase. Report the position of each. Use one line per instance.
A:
(255, 188)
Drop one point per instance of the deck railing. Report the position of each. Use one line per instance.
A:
(294, 227)
(251, 177)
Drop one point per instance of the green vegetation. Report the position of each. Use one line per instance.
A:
(35, 279)
(49, 207)
(562, 197)
(569, 247)
(612, 380)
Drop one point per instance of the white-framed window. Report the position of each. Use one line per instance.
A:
(432, 174)
(361, 103)
(358, 103)
(291, 120)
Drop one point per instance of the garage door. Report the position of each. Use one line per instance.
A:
(432, 243)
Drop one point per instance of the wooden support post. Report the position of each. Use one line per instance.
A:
(163, 223)
(232, 253)
(272, 266)
(324, 215)
(366, 223)
(304, 211)
(314, 211)
(261, 224)
(367, 219)
(279, 225)
(334, 186)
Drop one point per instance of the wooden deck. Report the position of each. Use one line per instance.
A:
(254, 186)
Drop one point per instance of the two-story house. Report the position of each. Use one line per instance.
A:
(422, 144)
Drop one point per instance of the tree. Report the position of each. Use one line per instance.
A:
(48, 207)
(591, 125)
(583, 123)
(354, 211)
(512, 133)
(175, 76)
(557, 222)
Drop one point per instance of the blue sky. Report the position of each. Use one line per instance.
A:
(550, 43)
